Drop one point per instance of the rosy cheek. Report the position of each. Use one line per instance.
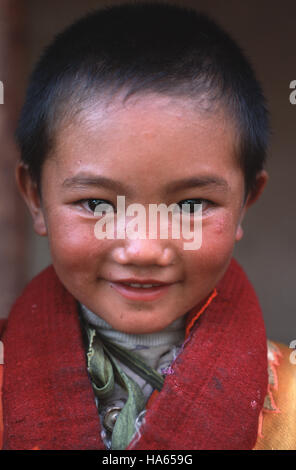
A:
(219, 238)
(73, 243)
(220, 227)
(223, 226)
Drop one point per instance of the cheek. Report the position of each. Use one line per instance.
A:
(218, 238)
(73, 245)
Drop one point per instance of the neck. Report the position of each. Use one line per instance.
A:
(172, 334)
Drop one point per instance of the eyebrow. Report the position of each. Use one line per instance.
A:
(209, 181)
(82, 180)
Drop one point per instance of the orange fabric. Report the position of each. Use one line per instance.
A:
(152, 398)
(192, 317)
(277, 423)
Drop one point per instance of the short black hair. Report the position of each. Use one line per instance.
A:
(138, 48)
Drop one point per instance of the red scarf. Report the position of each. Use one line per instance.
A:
(211, 399)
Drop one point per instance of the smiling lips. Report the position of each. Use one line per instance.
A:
(141, 291)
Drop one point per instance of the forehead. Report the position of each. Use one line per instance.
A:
(154, 135)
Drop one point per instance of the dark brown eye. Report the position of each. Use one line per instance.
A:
(192, 205)
(94, 204)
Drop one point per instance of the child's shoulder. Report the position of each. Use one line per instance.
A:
(277, 427)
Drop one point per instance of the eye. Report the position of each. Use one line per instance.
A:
(93, 204)
(187, 205)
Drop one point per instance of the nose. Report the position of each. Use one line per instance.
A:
(145, 252)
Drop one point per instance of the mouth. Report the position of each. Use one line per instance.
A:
(141, 291)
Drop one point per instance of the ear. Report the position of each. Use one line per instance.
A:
(253, 196)
(29, 191)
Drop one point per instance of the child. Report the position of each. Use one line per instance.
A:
(130, 342)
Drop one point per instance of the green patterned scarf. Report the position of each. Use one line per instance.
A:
(104, 370)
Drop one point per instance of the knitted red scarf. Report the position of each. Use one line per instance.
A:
(210, 400)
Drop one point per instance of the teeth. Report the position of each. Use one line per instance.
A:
(141, 285)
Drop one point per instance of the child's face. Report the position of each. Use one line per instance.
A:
(145, 146)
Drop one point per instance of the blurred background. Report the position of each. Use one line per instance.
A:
(266, 30)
